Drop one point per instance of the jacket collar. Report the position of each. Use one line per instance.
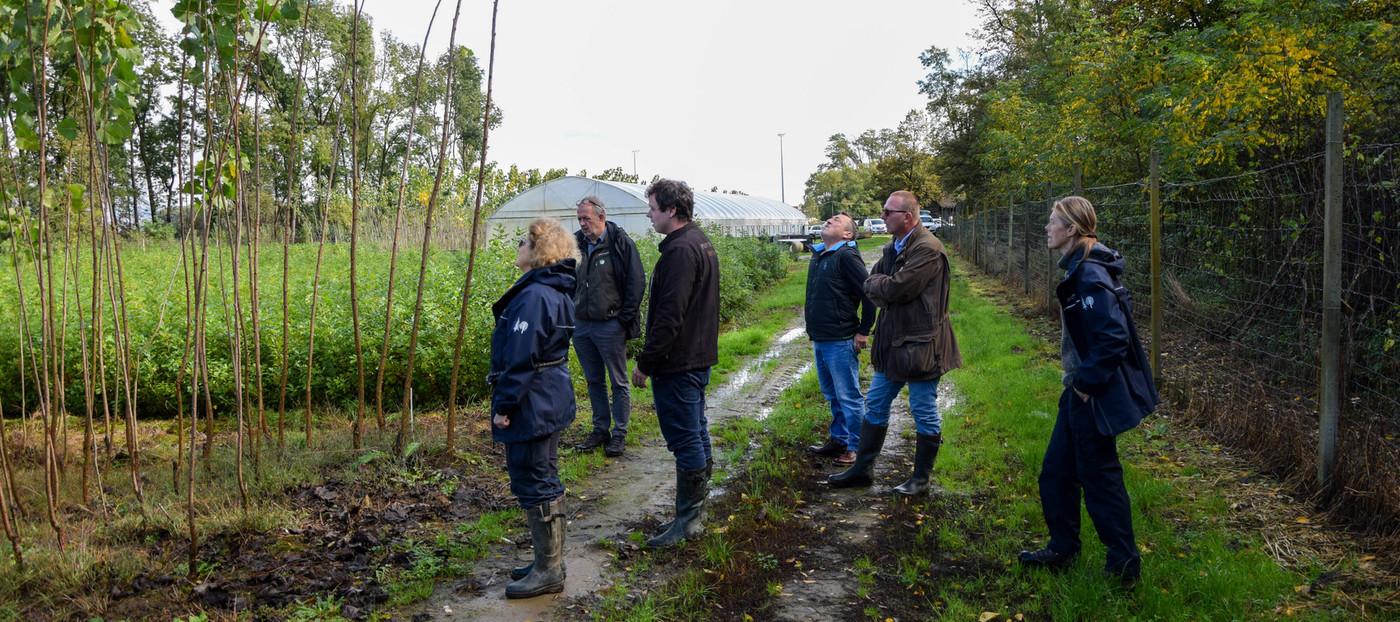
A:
(559, 276)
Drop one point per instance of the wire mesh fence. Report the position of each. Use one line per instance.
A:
(1241, 282)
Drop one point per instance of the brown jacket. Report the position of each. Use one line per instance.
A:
(914, 339)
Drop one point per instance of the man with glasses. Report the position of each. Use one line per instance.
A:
(835, 292)
(913, 345)
(607, 301)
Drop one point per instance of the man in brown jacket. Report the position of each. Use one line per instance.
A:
(913, 344)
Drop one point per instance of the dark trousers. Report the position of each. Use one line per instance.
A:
(602, 354)
(534, 470)
(680, 409)
(1080, 458)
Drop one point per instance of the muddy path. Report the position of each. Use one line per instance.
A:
(636, 491)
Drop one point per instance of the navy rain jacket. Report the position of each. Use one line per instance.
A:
(529, 376)
(1098, 315)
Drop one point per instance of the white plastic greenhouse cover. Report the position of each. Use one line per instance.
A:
(626, 204)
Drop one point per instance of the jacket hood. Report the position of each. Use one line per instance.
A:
(1110, 259)
(559, 276)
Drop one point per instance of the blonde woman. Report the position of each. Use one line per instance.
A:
(1108, 390)
(532, 396)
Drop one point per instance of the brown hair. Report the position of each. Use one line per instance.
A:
(1079, 212)
(549, 243)
(851, 225)
(672, 194)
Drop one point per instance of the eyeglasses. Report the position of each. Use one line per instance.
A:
(523, 241)
(887, 212)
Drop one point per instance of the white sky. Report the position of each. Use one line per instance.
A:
(700, 89)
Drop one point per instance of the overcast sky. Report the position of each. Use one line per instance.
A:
(700, 90)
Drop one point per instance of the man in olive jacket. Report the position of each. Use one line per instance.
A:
(682, 344)
(913, 344)
(607, 301)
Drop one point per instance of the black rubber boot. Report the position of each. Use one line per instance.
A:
(692, 487)
(862, 473)
(546, 575)
(709, 470)
(925, 453)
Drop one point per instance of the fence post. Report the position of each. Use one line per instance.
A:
(1010, 233)
(1154, 194)
(1330, 391)
(1078, 179)
(1049, 256)
(1026, 253)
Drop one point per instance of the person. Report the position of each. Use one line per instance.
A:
(532, 396)
(607, 299)
(681, 345)
(1108, 390)
(835, 293)
(914, 344)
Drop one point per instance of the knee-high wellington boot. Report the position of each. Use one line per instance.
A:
(925, 453)
(862, 473)
(546, 574)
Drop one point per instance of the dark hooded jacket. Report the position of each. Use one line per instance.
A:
(529, 376)
(683, 309)
(611, 281)
(1097, 311)
(914, 339)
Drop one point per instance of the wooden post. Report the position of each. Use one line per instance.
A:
(1010, 233)
(1154, 193)
(1026, 252)
(1330, 392)
(1049, 255)
(1078, 179)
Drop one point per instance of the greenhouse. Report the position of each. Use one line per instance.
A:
(735, 214)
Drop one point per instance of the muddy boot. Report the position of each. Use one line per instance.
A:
(709, 469)
(692, 486)
(925, 452)
(862, 473)
(546, 575)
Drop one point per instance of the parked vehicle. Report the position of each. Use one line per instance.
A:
(928, 222)
(814, 231)
(874, 225)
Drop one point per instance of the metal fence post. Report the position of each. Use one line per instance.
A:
(1154, 193)
(1330, 391)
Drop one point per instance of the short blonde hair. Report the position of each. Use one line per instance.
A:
(549, 243)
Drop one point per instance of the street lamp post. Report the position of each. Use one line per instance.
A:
(783, 191)
(634, 165)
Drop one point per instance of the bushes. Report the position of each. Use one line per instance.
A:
(156, 310)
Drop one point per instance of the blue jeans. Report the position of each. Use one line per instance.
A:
(838, 373)
(1081, 460)
(923, 403)
(534, 470)
(680, 409)
(602, 348)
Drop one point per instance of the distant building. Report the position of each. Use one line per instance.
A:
(736, 214)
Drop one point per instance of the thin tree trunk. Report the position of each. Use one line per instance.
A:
(401, 440)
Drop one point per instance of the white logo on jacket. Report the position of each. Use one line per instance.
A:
(521, 326)
(1088, 302)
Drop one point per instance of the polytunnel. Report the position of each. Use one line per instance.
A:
(626, 204)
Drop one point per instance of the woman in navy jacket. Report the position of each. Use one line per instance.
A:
(532, 396)
(1108, 390)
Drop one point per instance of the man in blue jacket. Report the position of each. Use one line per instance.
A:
(607, 299)
(835, 292)
(682, 344)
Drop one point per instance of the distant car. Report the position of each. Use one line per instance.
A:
(874, 225)
(928, 222)
(814, 231)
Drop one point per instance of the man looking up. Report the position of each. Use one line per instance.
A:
(682, 344)
(835, 291)
(607, 301)
(914, 344)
